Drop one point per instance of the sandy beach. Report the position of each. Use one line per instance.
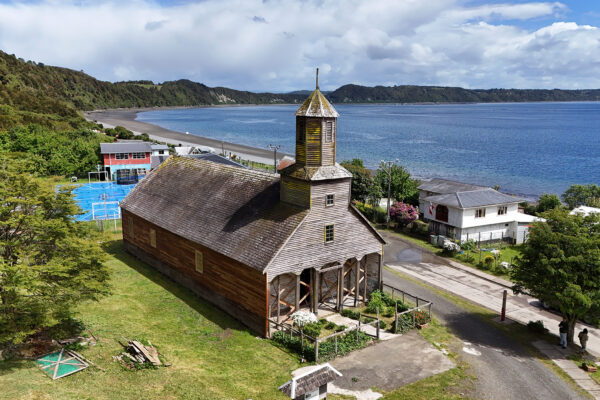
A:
(127, 119)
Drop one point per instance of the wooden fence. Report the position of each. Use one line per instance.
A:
(289, 329)
(418, 315)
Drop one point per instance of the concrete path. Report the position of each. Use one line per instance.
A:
(368, 329)
(559, 357)
(388, 365)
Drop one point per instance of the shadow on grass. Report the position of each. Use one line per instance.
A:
(9, 366)
(201, 306)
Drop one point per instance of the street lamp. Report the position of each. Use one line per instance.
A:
(274, 148)
(389, 174)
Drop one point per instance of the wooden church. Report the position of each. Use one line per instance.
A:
(260, 246)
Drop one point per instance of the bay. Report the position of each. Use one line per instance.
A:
(525, 148)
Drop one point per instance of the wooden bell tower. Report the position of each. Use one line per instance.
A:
(316, 133)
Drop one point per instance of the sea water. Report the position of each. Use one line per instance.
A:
(525, 148)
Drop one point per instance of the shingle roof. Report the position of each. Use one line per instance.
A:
(443, 186)
(311, 380)
(316, 105)
(322, 173)
(125, 147)
(473, 198)
(234, 211)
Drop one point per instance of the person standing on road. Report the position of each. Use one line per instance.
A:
(563, 328)
(583, 338)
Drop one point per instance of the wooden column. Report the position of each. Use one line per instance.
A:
(341, 288)
(357, 282)
(380, 277)
(316, 289)
(312, 290)
(297, 300)
(278, 297)
(365, 279)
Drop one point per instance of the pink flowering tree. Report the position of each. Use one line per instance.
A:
(403, 213)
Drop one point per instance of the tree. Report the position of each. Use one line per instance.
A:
(560, 264)
(48, 261)
(403, 187)
(579, 195)
(362, 181)
(548, 202)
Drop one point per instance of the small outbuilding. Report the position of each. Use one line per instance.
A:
(311, 383)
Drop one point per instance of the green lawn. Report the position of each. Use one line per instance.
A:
(212, 356)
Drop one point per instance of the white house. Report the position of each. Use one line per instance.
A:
(463, 212)
(585, 211)
(160, 150)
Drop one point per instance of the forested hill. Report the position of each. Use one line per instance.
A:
(33, 92)
(85, 92)
(437, 94)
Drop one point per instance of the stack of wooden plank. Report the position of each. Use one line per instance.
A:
(138, 353)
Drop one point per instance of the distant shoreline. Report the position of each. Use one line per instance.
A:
(126, 117)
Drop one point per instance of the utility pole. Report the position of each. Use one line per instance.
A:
(389, 174)
(274, 148)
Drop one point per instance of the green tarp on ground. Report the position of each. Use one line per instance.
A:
(61, 363)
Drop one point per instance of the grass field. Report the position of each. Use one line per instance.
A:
(212, 356)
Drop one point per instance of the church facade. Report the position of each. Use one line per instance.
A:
(260, 246)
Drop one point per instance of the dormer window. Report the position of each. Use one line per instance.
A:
(329, 200)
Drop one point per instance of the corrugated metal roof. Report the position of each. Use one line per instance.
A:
(159, 147)
(234, 211)
(473, 198)
(316, 105)
(125, 147)
(443, 186)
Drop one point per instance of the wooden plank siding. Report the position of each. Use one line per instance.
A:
(295, 191)
(306, 247)
(313, 141)
(236, 288)
(328, 148)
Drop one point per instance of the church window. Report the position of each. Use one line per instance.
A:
(301, 131)
(329, 234)
(153, 238)
(199, 259)
(329, 131)
(329, 200)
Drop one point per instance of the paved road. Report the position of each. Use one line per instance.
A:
(504, 369)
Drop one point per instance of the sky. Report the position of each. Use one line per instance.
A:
(275, 46)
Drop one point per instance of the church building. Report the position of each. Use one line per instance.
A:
(258, 245)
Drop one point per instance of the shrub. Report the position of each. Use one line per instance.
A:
(403, 213)
(330, 326)
(323, 321)
(488, 261)
(312, 329)
(376, 302)
(537, 327)
(421, 317)
(450, 248)
(346, 344)
(340, 328)
(348, 313)
(382, 324)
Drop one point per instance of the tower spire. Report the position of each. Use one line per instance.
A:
(317, 78)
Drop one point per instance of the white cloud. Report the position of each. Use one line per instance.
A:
(264, 45)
